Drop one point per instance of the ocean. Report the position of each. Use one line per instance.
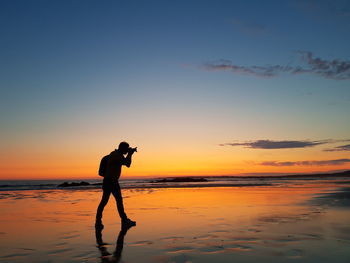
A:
(173, 182)
(192, 219)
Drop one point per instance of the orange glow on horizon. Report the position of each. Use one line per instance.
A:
(192, 160)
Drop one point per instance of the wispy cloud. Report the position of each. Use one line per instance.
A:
(332, 69)
(339, 148)
(260, 71)
(306, 163)
(268, 144)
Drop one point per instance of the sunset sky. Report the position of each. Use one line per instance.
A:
(200, 87)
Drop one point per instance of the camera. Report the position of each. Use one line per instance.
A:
(133, 149)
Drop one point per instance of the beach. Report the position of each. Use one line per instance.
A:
(222, 128)
(306, 221)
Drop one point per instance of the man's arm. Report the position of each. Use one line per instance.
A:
(127, 159)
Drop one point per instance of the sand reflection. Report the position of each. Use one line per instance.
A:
(117, 254)
(243, 224)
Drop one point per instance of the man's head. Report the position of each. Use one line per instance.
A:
(123, 147)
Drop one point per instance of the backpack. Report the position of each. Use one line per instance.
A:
(103, 165)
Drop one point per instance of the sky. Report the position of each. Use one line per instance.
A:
(200, 87)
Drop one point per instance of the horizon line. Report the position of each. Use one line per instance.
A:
(262, 174)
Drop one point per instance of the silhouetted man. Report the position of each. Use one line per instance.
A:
(111, 185)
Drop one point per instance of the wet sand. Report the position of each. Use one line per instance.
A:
(307, 222)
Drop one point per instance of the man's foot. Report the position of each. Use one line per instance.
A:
(99, 225)
(128, 223)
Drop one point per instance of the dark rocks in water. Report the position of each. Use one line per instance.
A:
(180, 180)
(66, 184)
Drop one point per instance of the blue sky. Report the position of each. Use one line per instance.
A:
(139, 69)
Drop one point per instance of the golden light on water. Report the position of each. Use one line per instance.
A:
(222, 221)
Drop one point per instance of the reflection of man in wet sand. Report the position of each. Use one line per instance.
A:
(105, 255)
(111, 185)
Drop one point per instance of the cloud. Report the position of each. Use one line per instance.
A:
(306, 163)
(260, 71)
(332, 69)
(268, 144)
(339, 148)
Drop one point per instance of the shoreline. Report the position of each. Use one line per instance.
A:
(170, 183)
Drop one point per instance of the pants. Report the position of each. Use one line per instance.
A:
(108, 188)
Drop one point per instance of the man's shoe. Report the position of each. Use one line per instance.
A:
(128, 222)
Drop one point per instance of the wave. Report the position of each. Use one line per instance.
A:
(173, 182)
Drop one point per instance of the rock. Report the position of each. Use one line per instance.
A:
(66, 184)
(180, 180)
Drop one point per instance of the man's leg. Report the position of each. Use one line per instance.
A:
(101, 206)
(119, 199)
